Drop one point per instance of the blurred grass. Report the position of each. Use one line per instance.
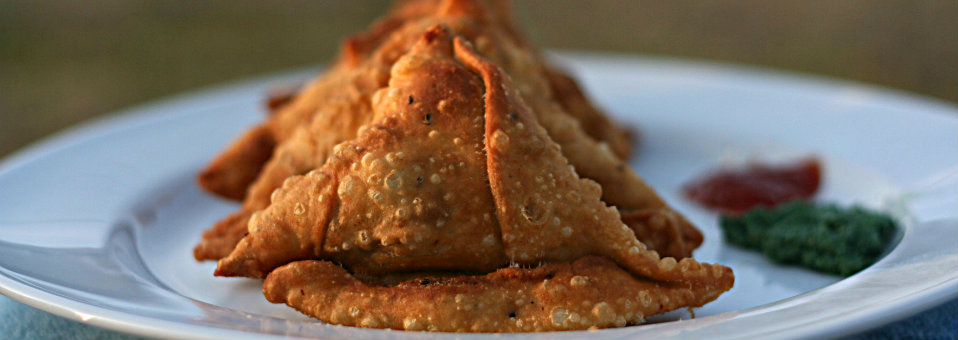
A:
(62, 62)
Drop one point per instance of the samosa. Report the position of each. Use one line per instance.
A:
(456, 202)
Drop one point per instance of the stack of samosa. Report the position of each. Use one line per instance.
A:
(441, 175)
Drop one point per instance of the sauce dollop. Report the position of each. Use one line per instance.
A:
(733, 191)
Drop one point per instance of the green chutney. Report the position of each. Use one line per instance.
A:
(823, 237)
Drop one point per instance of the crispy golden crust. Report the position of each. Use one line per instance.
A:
(589, 292)
(393, 200)
(455, 176)
(420, 156)
(347, 93)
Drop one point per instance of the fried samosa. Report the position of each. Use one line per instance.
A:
(459, 193)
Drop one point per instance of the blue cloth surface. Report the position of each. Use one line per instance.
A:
(19, 321)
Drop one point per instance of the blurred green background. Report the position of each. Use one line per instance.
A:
(62, 62)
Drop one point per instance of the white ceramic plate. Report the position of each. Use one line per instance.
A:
(97, 223)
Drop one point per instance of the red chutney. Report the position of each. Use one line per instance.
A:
(733, 191)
